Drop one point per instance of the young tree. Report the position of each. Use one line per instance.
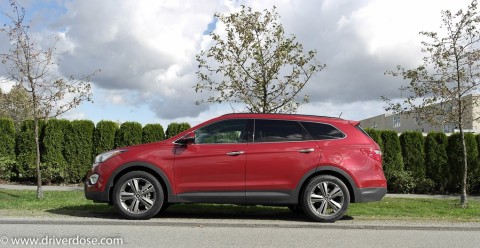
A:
(16, 104)
(254, 63)
(31, 67)
(438, 88)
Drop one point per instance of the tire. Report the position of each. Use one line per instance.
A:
(139, 202)
(325, 198)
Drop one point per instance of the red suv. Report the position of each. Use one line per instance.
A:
(315, 164)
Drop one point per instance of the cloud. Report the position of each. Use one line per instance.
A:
(146, 49)
(359, 41)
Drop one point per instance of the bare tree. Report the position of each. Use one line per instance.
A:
(256, 64)
(31, 67)
(438, 89)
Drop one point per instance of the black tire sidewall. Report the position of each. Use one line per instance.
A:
(159, 201)
(306, 198)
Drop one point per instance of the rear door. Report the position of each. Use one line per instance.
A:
(281, 153)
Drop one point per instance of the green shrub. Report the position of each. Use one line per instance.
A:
(392, 151)
(7, 167)
(7, 137)
(393, 162)
(454, 153)
(78, 149)
(436, 160)
(376, 135)
(54, 165)
(130, 133)
(104, 137)
(413, 154)
(7, 148)
(400, 182)
(25, 166)
(176, 128)
(152, 133)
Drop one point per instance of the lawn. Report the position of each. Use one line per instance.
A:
(73, 203)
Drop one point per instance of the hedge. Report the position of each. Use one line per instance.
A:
(7, 148)
(392, 153)
(176, 128)
(413, 154)
(104, 137)
(67, 149)
(436, 160)
(54, 165)
(25, 165)
(152, 133)
(398, 180)
(455, 160)
(129, 134)
(78, 149)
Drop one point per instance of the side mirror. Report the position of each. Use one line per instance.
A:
(186, 139)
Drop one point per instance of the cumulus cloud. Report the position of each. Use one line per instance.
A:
(144, 49)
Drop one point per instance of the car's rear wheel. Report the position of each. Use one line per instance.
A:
(138, 195)
(325, 198)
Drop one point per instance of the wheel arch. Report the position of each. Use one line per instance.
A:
(328, 170)
(141, 166)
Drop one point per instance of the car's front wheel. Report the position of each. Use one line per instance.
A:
(325, 198)
(138, 195)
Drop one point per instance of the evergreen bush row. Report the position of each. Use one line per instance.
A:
(67, 148)
(431, 164)
(412, 163)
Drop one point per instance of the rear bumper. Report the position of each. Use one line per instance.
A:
(370, 194)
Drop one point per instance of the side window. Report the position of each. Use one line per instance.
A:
(321, 131)
(279, 131)
(228, 131)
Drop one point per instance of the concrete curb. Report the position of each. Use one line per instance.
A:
(355, 225)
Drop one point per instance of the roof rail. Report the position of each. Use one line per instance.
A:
(322, 116)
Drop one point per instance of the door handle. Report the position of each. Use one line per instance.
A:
(235, 153)
(307, 150)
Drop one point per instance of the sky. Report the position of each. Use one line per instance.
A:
(146, 51)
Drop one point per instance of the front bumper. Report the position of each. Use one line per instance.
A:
(370, 194)
(92, 193)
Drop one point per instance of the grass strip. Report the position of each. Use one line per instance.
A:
(73, 203)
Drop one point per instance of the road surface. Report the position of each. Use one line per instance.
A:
(173, 232)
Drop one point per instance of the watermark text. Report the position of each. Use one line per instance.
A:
(50, 240)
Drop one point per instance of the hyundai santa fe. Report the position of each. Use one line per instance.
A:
(318, 165)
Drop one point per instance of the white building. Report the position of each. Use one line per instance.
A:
(404, 122)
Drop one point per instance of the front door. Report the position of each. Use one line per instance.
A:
(212, 169)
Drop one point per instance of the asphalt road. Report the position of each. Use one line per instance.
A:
(235, 233)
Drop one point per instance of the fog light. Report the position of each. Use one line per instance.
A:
(93, 179)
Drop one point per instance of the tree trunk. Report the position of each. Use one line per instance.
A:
(463, 195)
(37, 153)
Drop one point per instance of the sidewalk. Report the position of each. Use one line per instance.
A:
(45, 188)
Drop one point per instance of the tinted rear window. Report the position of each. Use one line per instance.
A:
(279, 131)
(321, 131)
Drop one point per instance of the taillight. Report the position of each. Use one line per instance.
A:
(373, 153)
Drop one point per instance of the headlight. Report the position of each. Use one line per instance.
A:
(106, 155)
